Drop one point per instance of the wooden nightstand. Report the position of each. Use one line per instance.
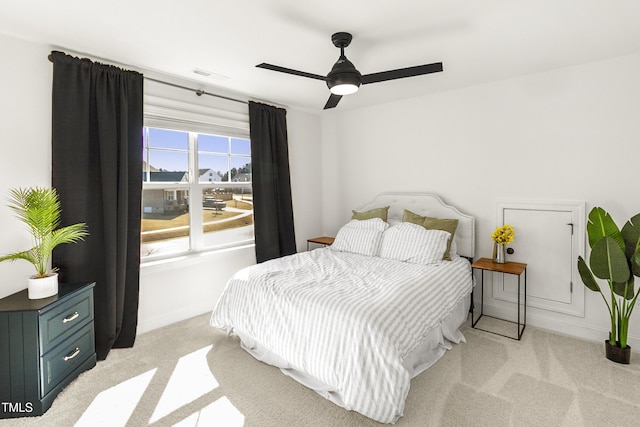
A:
(327, 241)
(517, 268)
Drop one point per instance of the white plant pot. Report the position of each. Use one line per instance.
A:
(43, 287)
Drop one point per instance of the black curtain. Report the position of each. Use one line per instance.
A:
(97, 170)
(272, 205)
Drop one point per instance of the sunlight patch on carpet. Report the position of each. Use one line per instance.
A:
(190, 379)
(114, 406)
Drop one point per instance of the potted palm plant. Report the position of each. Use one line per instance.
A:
(615, 258)
(39, 209)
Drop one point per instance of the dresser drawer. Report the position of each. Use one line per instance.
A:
(62, 360)
(64, 320)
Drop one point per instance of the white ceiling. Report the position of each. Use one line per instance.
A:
(478, 41)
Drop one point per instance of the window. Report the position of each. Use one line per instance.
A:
(197, 192)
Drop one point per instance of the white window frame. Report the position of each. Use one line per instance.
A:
(195, 188)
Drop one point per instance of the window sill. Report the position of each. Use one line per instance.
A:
(192, 258)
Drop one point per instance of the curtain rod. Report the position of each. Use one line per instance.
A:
(198, 92)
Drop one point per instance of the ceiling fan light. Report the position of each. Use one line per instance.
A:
(344, 83)
(343, 79)
(344, 89)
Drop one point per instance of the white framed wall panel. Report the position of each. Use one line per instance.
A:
(549, 238)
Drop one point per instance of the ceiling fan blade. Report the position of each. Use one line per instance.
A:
(402, 73)
(333, 101)
(290, 71)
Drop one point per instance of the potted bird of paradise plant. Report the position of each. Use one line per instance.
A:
(614, 258)
(39, 209)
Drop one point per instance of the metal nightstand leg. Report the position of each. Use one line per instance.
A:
(522, 321)
(473, 305)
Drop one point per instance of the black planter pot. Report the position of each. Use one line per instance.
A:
(617, 354)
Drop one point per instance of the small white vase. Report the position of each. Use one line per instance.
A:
(43, 287)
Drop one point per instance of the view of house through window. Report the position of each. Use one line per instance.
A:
(196, 192)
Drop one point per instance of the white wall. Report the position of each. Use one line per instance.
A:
(306, 174)
(25, 136)
(570, 134)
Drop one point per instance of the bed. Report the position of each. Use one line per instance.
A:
(356, 321)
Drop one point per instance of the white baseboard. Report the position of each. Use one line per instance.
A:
(149, 324)
(563, 326)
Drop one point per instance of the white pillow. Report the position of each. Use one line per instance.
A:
(360, 237)
(453, 251)
(413, 243)
(373, 224)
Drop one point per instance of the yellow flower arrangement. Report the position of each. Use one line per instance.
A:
(503, 235)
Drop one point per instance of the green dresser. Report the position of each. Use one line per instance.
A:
(44, 345)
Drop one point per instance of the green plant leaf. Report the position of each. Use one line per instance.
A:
(25, 255)
(601, 224)
(69, 234)
(625, 289)
(39, 209)
(608, 261)
(631, 236)
(586, 276)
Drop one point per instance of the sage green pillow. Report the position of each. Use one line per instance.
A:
(449, 225)
(413, 218)
(444, 224)
(373, 213)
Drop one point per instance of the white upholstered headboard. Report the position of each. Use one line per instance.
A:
(427, 204)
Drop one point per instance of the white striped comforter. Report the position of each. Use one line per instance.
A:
(347, 320)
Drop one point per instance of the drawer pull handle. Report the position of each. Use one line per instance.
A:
(73, 354)
(74, 316)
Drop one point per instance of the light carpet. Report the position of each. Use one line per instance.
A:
(190, 374)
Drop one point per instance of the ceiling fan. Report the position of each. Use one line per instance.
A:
(345, 79)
